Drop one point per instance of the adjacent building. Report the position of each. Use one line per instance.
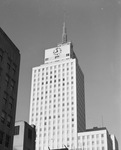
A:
(94, 139)
(57, 105)
(9, 75)
(24, 136)
(114, 142)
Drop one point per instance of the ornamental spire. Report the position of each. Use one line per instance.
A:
(64, 34)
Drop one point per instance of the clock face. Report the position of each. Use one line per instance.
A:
(57, 51)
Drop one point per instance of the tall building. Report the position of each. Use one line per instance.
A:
(95, 139)
(9, 74)
(114, 142)
(24, 136)
(57, 105)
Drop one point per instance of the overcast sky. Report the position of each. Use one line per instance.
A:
(94, 27)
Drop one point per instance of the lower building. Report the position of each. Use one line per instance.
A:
(94, 139)
(24, 136)
(114, 142)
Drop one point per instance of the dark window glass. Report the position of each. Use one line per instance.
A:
(12, 85)
(0, 71)
(5, 98)
(16, 130)
(14, 69)
(1, 54)
(10, 103)
(7, 79)
(8, 66)
(29, 134)
(7, 141)
(9, 121)
(1, 137)
(46, 59)
(3, 114)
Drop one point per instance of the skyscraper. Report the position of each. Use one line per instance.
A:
(9, 74)
(57, 106)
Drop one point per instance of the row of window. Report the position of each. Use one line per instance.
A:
(92, 148)
(9, 99)
(50, 81)
(55, 100)
(50, 117)
(5, 117)
(58, 133)
(10, 64)
(92, 142)
(63, 74)
(54, 71)
(17, 132)
(91, 136)
(54, 67)
(10, 82)
(54, 126)
(59, 89)
(55, 80)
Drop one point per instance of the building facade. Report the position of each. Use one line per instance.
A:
(9, 74)
(57, 105)
(24, 136)
(94, 139)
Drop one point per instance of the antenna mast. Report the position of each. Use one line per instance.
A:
(64, 34)
(102, 121)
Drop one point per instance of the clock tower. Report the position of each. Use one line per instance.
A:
(57, 106)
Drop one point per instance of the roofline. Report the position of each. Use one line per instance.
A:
(95, 129)
(8, 39)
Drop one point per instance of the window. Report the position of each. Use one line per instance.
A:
(9, 121)
(0, 71)
(10, 103)
(103, 148)
(88, 143)
(3, 114)
(7, 141)
(102, 142)
(1, 137)
(16, 130)
(5, 97)
(7, 79)
(102, 135)
(92, 142)
(8, 66)
(97, 135)
(1, 54)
